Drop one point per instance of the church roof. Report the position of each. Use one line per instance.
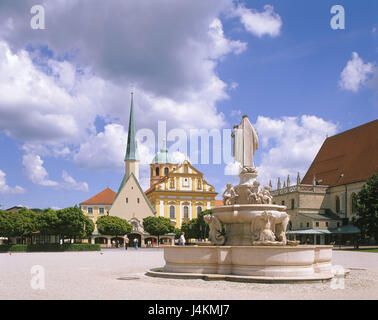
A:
(104, 197)
(348, 157)
(131, 148)
(163, 156)
(124, 181)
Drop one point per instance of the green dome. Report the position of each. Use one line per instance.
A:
(163, 156)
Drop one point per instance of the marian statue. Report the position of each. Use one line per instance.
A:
(246, 143)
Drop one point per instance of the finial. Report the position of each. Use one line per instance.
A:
(288, 180)
(279, 183)
(298, 179)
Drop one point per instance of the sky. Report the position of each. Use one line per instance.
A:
(65, 88)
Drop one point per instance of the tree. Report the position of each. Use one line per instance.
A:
(157, 226)
(197, 228)
(113, 226)
(5, 224)
(48, 222)
(367, 208)
(73, 223)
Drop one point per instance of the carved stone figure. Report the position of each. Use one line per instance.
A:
(229, 195)
(215, 232)
(267, 234)
(267, 197)
(246, 143)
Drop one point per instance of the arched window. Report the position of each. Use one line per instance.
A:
(172, 183)
(337, 204)
(172, 212)
(166, 170)
(199, 210)
(186, 212)
(199, 185)
(157, 172)
(354, 203)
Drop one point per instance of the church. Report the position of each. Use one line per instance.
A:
(177, 191)
(323, 204)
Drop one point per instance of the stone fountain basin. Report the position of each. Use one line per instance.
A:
(245, 213)
(304, 262)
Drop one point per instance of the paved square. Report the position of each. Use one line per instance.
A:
(94, 275)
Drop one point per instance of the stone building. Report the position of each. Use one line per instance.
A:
(178, 192)
(130, 202)
(323, 203)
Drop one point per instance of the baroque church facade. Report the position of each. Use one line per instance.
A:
(178, 191)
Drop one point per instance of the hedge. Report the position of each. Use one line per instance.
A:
(53, 247)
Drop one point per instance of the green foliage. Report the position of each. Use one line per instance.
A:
(113, 226)
(197, 228)
(73, 223)
(367, 208)
(53, 247)
(157, 226)
(177, 233)
(23, 223)
(48, 222)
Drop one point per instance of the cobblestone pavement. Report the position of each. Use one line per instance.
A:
(95, 275)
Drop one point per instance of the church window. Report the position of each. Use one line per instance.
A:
(172, 183)
(90, 210)
(199, 210)
(127, 200)
(137, 200)
(292, 203)
(157, 173)
(199, 184)
(166, 170)
(337, 204)
(283, 202)
(186, 212)
(172, 212)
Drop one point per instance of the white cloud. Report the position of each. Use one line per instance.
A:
(219, 46)
(355, 74)
(262, 23)
(37, 174)
(5, 189)
(289, 145)
(70, 183)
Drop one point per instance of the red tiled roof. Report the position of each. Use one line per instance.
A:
(218, 203)
(350, 156)
(104, 197)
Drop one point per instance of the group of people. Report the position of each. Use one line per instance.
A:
(151, 242)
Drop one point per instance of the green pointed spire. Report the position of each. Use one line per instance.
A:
(131, 148)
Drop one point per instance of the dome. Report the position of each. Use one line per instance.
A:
(163, 156)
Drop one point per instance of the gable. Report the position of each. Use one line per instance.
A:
(131, 201)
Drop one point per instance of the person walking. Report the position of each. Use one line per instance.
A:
(136, 243)
(126, 241)
(182, 239)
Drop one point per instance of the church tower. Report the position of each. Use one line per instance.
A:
(131, 157)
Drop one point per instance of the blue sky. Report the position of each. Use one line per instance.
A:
(64, 91)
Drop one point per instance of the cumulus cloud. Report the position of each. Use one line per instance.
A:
(37, 174)
(289, 144)
(262, 23)
(355, 74)
(5, 189)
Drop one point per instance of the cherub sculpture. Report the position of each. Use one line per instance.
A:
(229, 195)
(215, 232)
(267, 197)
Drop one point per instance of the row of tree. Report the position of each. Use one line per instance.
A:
(68, 223)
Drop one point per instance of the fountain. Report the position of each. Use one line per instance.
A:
(248, 234)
